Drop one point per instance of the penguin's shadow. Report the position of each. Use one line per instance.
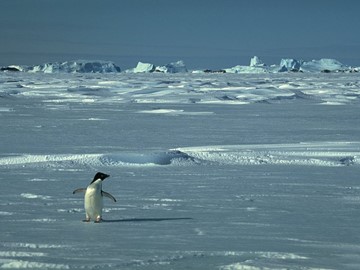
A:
(145, 219)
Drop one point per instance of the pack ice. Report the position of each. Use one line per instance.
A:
(210, 171)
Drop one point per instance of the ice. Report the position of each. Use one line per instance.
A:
(289, 65)
(79, 66)
(3, 213)
(210, 171)
(174, 112)
(34, 196)
(325, 65)
(174, 67)
(21, 254)
(296, 154)
(322, 65)
(256, 61)
(21, 264)
(246, 69)
(144, 68)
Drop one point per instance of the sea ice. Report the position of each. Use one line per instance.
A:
(211, 171)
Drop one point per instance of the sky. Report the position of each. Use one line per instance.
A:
(203, 33)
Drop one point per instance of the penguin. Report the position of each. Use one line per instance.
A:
(93, 200)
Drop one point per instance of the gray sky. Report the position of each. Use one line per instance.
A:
(205, 34)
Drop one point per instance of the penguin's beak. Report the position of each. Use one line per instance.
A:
(106, 176)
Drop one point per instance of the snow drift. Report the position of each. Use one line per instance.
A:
(304, 154)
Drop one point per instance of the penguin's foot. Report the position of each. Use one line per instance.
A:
(87, 219)
(98, 219)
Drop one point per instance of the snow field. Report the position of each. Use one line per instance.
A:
(330, 89)
(209, 171)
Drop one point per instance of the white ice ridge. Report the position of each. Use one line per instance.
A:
(312, 154)
(111, 159)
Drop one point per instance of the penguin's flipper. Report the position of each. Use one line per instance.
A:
(79, 190)
(104, 193)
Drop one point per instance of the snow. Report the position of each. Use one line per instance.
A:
(210, 171)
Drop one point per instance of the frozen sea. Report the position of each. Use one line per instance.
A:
(210, 171)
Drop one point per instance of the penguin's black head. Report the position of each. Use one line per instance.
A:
(100, 175)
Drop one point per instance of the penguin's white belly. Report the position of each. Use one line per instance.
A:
(93, 203)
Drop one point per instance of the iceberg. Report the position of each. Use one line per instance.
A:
(289, 64)
(314, 66)
(256, 62)
(144, 68)
(246, 69)
(256, 66)
(323, 65)
(175, 67)
(79, 66)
